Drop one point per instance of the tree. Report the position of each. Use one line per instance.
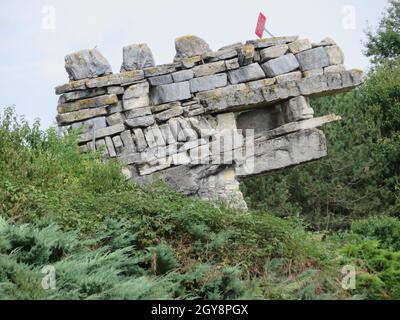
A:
(384, 42)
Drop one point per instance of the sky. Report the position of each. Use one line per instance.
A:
(36, 35)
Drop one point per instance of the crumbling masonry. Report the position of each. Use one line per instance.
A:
(210, 119)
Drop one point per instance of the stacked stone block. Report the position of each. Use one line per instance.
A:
(210, 118)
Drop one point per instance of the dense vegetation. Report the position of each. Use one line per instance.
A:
(111, 239)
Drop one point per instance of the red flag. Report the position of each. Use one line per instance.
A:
(261, 25)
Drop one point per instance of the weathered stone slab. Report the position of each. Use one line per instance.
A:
(86, 64)
(120, 79)
(293, 76)
(110, 147)
(115, 119)
(140, 139)
(168, 114)
(138, 112)
(190, 46)
(160, 70)
(334, 69)
(154, 137)
(293, 149)
(281, 65)
(246, 54)
(313, 59)
(273, 52)
(179, 159)
(127, 140)
(71, 86)
(101, 133)
(299, 46)
(141, 122)
(232, 64)
(200, 155)
(80, 115)
(79, 95)
(114, 90)
(136, 96)
(209, 69)
(137, 57)
(313, 73)
(167, 134)
(223, 54)
(192, 144)
(102, 147)
(183, 75)
(245, 74)
(335, 55)
(118, 145)
(296, 126)
(297, 109)
(171, 92)
(90, 103)
(269, 42)
(166, 106)
(208, 83)
(160, 80)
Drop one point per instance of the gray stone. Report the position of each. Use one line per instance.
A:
(297, 109)
(293, 149)
(334, 69)
(269, 42)
(127, 140)
(200, 155)
(273, 52)
(86, 64)
(140, 139)
(167, 134)
(90, 103)
(154, 137)
(83, 94)
(202, 127)
(313, 59)
(115, 90)
(190, 46)
(223, 54)
(163, 107)
(179, 159)
(171, 92)
(115, 119)
(160, 70)
(71, 86)
(137, 57)
(188, 63)
(183, 75)
(281, 65)
(299, 46)
(141, 122)
(192, 144)
(118, 145)
(313, 73)
(115, 108)
(160, 80)
(121, 79)
(136, 96)
(208, 83)
(110, 147)
(71, 117)
(138, 112)
(209, 69)
(335, 55)
(101, 133)
(246, 54)
(161, 164)
(245, 74)
(293, 76)
(187, 133)
(232, 64)
(168, 114)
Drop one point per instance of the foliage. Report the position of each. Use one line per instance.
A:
(384, 43)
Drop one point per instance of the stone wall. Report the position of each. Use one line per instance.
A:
(209, 119)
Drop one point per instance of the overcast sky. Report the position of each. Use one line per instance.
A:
(36, 35)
